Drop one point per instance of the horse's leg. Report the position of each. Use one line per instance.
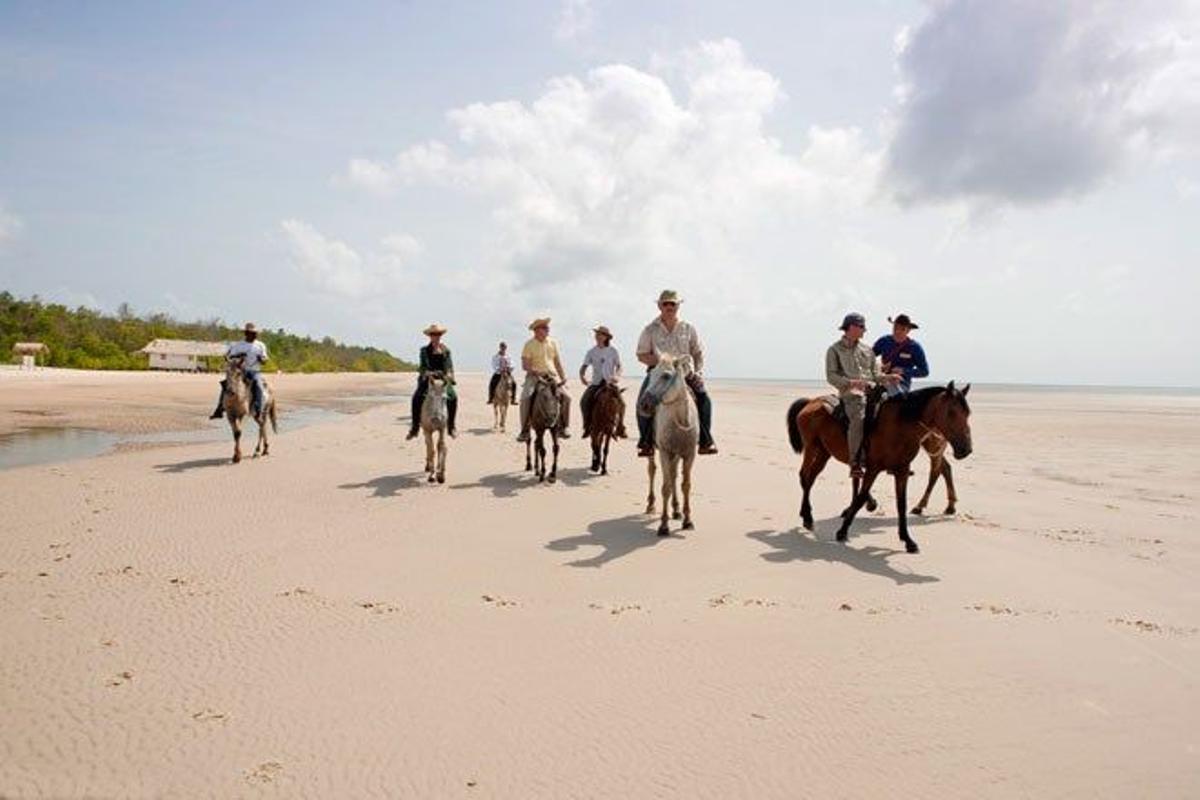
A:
(951, 495)
(595, 440)
(540, 456)
(650, 496)
(668, 489)
(266, 421)
(935, 472)
(528, 461)
(554, 466)
(604, 457)
(688, 461)
(815, 458)
(675, 496)
(859, 501)
(902, 509)
(429, 466)
(236, 426)
(441, 456)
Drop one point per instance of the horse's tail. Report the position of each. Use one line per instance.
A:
(793, 427)
(271, 414)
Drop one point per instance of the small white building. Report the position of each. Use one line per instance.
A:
(180, 354)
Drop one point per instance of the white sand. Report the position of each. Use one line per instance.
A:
(323, 624)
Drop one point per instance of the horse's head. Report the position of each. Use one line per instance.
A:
(434, 406)
(667, 380)
(950, 415)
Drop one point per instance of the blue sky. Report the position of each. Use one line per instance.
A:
(1021, 177)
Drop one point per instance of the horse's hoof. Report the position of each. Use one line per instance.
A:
(604, 472)
(441, 479)
(650, 508)
(807, 523)
(872, 505)
(430, 479)
(918, 511)
(552, 479)
(664, 531)
(843, 536)
(911, 547)
(688, 525)
(676, 515)
(950, 510)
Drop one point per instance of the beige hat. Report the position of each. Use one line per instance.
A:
(434, 330)
(540, 322)
(602, 329)
(669, 296)
(249, 328)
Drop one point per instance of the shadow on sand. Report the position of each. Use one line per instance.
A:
(616, 538)
(502, 484)
(199, 463)
(799, 545)
(389, 485)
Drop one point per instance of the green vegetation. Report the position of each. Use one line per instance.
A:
(86, 339)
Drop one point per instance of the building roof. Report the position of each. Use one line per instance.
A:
(29, 348)
(182, 347)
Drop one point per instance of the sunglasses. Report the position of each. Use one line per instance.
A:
(669, 304)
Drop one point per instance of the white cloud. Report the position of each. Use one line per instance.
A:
(331, 265)
(575, 19)
(1026, 101)
(602, 176)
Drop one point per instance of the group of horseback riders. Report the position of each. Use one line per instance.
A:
(859, 373)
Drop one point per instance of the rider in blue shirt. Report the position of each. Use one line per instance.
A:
(901, 354)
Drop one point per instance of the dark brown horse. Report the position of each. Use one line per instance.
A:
(603, 419)
(544, 408)
(902, 423)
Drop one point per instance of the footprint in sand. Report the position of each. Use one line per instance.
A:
(265, 772)
(728, 599)
(616, 610)
(125, 571)
(993, 609)
(1146, 626)
(499, 602)
(208, 715)
(376, 607)
(120, 679)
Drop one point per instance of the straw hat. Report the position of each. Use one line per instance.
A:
(249, 328)
(669, 296)
(540, 322)
(434, 330)
(603, 329)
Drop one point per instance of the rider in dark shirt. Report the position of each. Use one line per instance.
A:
(435, 357)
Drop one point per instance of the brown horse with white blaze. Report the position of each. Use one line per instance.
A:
(901, 426)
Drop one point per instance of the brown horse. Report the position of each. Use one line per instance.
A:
(236, 402)
(544, 408)
(607, 408)
(902, 423)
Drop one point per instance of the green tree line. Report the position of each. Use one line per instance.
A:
(83, 338)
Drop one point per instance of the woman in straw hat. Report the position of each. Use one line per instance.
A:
(435, 357)
(605, 362)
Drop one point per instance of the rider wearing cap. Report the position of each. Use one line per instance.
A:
(538, 357)
(667, 333)
(901, 354)
(605, 362)
(253, 354)
(851, 368)
(434, 357)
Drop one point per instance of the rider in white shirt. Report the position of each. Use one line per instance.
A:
(501, 363)
(253, 354)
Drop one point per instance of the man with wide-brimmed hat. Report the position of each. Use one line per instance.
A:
(434, 357)
(605, 363)
(669, 334)
(902, 355)
(851, 368)
(539, 357)
(253, 354)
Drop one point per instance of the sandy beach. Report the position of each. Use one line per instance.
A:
(322, 623)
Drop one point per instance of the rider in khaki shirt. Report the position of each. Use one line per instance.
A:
(851, 368)
(540, 357)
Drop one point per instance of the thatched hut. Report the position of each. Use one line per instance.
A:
(30, 353)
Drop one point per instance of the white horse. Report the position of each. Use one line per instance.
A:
(434, 420)
(500, 400)
(676, 434)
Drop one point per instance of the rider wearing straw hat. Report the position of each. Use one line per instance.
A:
(667, 333)
(435, 357)
(605, 362)
(253, 354)
(539, 357)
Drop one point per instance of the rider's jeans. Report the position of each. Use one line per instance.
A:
(256, 389)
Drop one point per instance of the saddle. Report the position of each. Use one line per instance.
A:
(876, 396)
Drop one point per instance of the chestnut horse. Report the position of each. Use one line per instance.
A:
(901, 425)
(607, 408)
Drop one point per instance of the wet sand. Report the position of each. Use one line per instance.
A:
(323, 623)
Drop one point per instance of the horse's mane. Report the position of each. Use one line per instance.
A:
(913, 405)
